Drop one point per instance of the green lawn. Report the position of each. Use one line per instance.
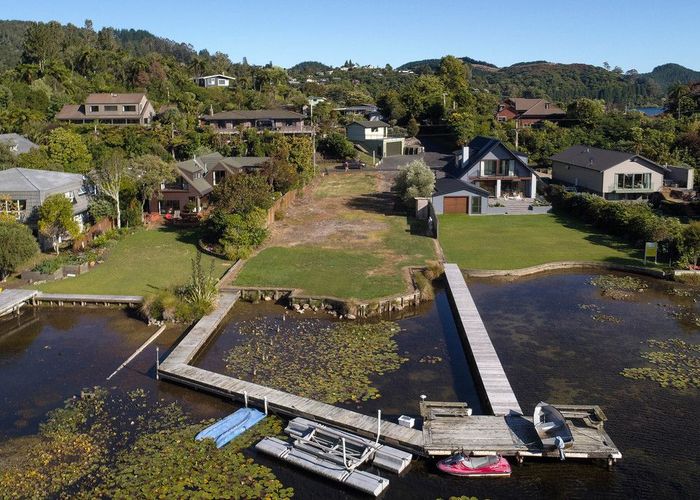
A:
(515, 241)
(346, 247)
(366, 273)
(139, 264)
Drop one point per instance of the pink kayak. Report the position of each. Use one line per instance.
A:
(462, 465)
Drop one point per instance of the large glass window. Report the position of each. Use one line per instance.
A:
(489, 167)
(94, 109)
(634, 181)
(130, 108)
(110, 108)
(506, 167)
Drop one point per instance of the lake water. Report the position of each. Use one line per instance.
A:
(650, 111)
(550, 347)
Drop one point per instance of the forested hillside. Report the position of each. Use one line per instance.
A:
(49, 65)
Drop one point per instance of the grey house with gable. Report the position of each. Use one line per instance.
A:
(614, 175)
(488, 164)
(23, 190)
(17, 144)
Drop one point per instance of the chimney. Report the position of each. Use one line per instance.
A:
(465, 154)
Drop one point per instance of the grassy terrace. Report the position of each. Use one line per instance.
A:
(516, 241)
(139, 264)
(339, 241)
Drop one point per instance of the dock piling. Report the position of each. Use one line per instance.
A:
(265, 405)
(245, 398)
(157, 363)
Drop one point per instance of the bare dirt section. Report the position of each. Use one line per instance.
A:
(343, 210)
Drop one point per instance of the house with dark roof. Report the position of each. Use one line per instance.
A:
(614, 175)
(276, 120)
(196, 179)
(110, 109)
(23, 191)
(369, 111)
(17, 144)
(455, 196)
(528, 112)
(373, 136)
(489, 164)
(219, 80)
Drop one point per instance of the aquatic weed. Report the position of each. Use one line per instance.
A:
(675, 364)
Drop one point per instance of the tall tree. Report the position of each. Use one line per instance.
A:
(67, 149)
(56, 220)
(149, 172)
(108, 176)
(17, 245)
(42, 43)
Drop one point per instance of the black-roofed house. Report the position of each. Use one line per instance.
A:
(488, 164)
(196, 179)
(373, 136)
(276, 120)
(614, 175)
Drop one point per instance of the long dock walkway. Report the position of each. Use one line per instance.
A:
(12, 300)
(83, 299)
(491, 376)
(176, 367)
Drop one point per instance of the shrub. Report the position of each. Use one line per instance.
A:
(242, 233)
(414, 180)
(17, 245)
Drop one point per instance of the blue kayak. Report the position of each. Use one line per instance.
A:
(231, 422)
(253, 417)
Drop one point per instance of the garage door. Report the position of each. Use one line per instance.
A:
(394, 148)
(455, 205)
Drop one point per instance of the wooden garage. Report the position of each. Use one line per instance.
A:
(455, 204)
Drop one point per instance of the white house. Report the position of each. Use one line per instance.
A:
(614, 175)
(213, 81)
(373, 135)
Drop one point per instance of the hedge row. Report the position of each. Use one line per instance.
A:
(634, 221)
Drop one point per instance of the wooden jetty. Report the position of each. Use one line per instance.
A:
(485, 363)
(447, 427)
(77, 299)
(176, 367)
(12, 300)
(446, 432)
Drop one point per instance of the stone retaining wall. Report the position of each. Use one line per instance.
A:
(553, 266)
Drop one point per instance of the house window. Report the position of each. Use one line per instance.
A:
(375, 129)
(476, 204)
(222, 81)
(130, 108)
(171, 205)
(501, 118)
(489, 167)
(218, 176)
(94, 109)
(634, 181)
(7, 206)
(506, 167)
(110, 108)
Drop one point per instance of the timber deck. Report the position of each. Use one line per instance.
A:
(490, 374)
(447, 427)
(513, 435)
(13, 300)
(176, 367)
(84, 299)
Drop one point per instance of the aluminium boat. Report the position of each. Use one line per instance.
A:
(552, 429)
